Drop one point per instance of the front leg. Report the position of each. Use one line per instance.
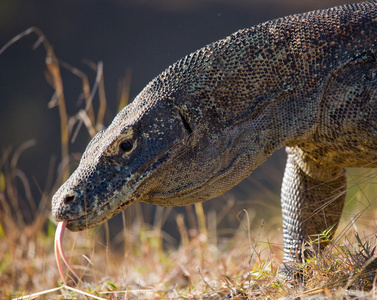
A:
(312, 199)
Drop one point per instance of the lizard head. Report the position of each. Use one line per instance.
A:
(117, 161)
(174, 145)
(154, 151)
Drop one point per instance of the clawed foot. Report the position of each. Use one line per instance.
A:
(291, 272)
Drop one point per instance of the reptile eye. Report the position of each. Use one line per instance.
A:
(126, 146)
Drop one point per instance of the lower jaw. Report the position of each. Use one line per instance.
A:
(81, 224)
(78, 225)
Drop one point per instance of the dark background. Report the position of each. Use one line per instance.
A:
(138, 36)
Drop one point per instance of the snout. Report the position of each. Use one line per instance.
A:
(65, 206)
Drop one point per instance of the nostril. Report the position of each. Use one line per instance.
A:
(69, 198)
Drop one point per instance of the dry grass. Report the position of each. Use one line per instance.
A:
(204, 265)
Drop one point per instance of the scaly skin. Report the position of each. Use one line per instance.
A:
(305, 81)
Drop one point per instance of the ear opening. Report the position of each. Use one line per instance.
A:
(185, 123)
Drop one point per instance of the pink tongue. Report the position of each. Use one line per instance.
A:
(59, 252)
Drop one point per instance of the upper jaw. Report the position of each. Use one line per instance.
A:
(87, 211)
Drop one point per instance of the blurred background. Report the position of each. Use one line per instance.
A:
(135, 40)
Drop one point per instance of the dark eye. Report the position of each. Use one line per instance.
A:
(126, 146)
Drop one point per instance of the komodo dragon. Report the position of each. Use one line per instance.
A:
(307, 82)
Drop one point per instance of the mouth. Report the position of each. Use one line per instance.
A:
(96, 217)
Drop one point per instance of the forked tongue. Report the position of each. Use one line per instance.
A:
(59, 252)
